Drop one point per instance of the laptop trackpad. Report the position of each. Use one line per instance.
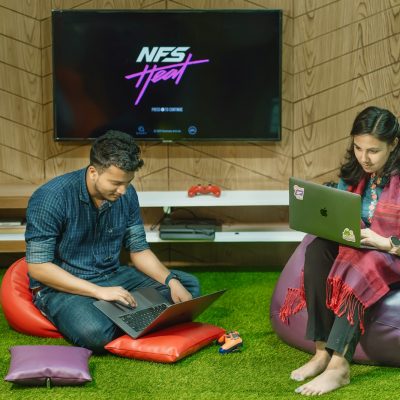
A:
(148, 297)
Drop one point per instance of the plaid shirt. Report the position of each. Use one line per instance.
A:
(65, 228)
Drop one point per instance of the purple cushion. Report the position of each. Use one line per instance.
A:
(378, 345)
(40, 365)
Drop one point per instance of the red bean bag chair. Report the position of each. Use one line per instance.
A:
(378, 345)
(18, 308)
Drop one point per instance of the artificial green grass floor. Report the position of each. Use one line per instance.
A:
(260, 371)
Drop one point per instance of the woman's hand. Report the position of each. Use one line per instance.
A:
(371, 238)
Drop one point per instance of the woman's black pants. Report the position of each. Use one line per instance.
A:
(323, 325)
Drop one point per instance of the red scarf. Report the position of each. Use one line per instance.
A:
(359, 278)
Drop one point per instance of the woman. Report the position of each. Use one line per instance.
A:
(340, 282)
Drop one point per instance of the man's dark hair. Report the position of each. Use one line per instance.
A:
(118, 149)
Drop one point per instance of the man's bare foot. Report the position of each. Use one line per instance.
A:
(315, 366)
(336, 375)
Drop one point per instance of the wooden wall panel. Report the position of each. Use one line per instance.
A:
(305, 6)
(355, 92)
(155, 157)
(47, 91)
(320, 21)
(54, 148)
(20, 110)
(48, 117)
(21, 138)
(251, 167)
(21, 83)
(121, 4)
(37, 9)
(47, 66)
(67, 4)
(153, 181)
(21, 165)
(346, 58)
(234, 177)
(283, 147)
(7, 178)
(364, 41)
(287, 115)
(20, 27)
(45, 30)
(287, 59)
(338, 57)
(347, 67)
(321, 161)
(68, 161)
(20, 55)
(77, 156)
(285, 5)
(349, 38)
(278, 153)
(337, 126)
(287, 86)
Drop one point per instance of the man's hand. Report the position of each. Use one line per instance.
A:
(115, 293)
(371, 238)
(178, 291)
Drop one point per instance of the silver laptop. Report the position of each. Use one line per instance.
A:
(153, 311)
(326, 212)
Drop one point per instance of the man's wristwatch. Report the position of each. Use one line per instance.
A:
(171, 275)
(395, 243)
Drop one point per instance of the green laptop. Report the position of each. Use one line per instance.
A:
(325, 211)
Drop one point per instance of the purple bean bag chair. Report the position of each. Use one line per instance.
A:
(380, 343)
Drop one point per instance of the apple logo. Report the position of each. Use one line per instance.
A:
(324, 212)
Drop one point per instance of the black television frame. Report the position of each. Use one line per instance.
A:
(181, 139)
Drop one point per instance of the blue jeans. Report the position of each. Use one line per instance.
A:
(80, 322)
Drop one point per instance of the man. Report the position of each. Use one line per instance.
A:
(76, 225)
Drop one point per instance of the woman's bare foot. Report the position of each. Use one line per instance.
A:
(336, 375)
(315, 366)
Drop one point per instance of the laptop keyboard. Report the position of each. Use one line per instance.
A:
(141, 319)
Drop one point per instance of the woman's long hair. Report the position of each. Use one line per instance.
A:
(381, 124)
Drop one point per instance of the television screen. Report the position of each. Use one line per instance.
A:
(167, 75)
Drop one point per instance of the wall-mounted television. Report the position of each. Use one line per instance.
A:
(167, 75)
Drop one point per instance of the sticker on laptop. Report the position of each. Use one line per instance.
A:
(298, 192)
(348, 235)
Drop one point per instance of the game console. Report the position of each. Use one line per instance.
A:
(187, 229)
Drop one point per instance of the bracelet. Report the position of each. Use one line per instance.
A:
(171, 275)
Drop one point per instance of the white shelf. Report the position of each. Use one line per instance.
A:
(12, 237)
(243, 198)
(229, 234)
(227, 198)
(221, 237)
(238, 237)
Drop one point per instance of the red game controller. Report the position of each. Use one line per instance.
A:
(204, 189)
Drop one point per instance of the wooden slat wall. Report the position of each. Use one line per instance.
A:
(26, 107)
(21, 111)
(338, 57)
(346, 57)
